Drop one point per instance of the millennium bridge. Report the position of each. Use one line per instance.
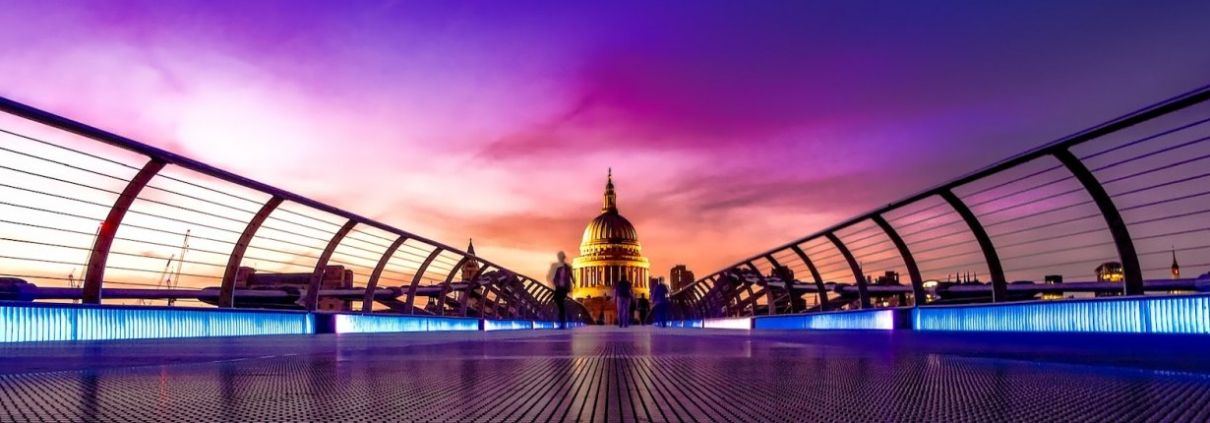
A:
(1067, 283)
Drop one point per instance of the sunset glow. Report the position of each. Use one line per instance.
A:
(729, 131)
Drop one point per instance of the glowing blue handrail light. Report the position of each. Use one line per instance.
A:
(879, 319)
(1187, 314)
(740, 323)
(691, 323)
(26, 322)
(491, 325)
(366, 323)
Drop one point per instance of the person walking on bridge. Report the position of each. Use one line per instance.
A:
(644, 307)
(622, 295)
(659, 297)
(560, 277)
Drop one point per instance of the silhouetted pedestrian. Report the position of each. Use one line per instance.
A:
(659, 296)
(644, 308)
(622, 295)
(561, 278)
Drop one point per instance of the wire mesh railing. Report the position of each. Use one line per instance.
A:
(1118, 209)
(89, 216)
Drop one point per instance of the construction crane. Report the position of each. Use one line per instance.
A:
(72, 282)
(88, 258)
(165, 279)
(175, 280)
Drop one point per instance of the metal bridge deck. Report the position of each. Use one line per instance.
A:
(599, 374)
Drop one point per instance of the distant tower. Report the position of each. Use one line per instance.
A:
(471, 268)
(680, 277)
(1176, 269)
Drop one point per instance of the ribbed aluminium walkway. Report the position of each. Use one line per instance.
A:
(598, 374)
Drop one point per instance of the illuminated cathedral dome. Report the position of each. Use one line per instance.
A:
(609, 251)
(610, 228)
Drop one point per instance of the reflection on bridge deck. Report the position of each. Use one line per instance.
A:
(599, 374)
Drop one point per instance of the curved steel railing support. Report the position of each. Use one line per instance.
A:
(999, 283)
(410, 306)
(445, 286)
(317, 276)
(367, 302)
(918, 295)
(471, 285)
(863, 290)
(226, 296)
(1184, 101)
(695, 300)
(95, 268)
(95, 275)
(769, 301)
(787, 281)
(1132, 281)
(819, 286)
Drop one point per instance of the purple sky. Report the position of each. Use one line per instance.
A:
(731, 126)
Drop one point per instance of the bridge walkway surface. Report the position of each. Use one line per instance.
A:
(609, 374)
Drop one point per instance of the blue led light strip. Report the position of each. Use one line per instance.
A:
(879, 319)
(1187, 314)
(26, 322)
(34, 322)
(692, 323)
(365, 323)
(491, 325)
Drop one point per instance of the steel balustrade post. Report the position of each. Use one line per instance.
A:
(94, 271)
(743, 287)
(1132, 282)
(321, 265)
(751, 294)
(424, 266)
(716, 301)
(487, 288)
(701, 307)
(512, 300)
(472, 283)
(547, 298)
(446, 287)
(999, 283)
(863, 290)
(539, 306)
(464, 298)
(918, 295)
(442, 297)
(525, 300)
(94, 276)
(530, 299)
(787, 282)
(226, 296)
(482, 297)
(524, 304)
(691, 299)
(531, 293)
(768, 292)
(496, 301)
(820, 289)
(367, 303)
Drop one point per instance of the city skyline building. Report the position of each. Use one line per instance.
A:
(679, 277)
